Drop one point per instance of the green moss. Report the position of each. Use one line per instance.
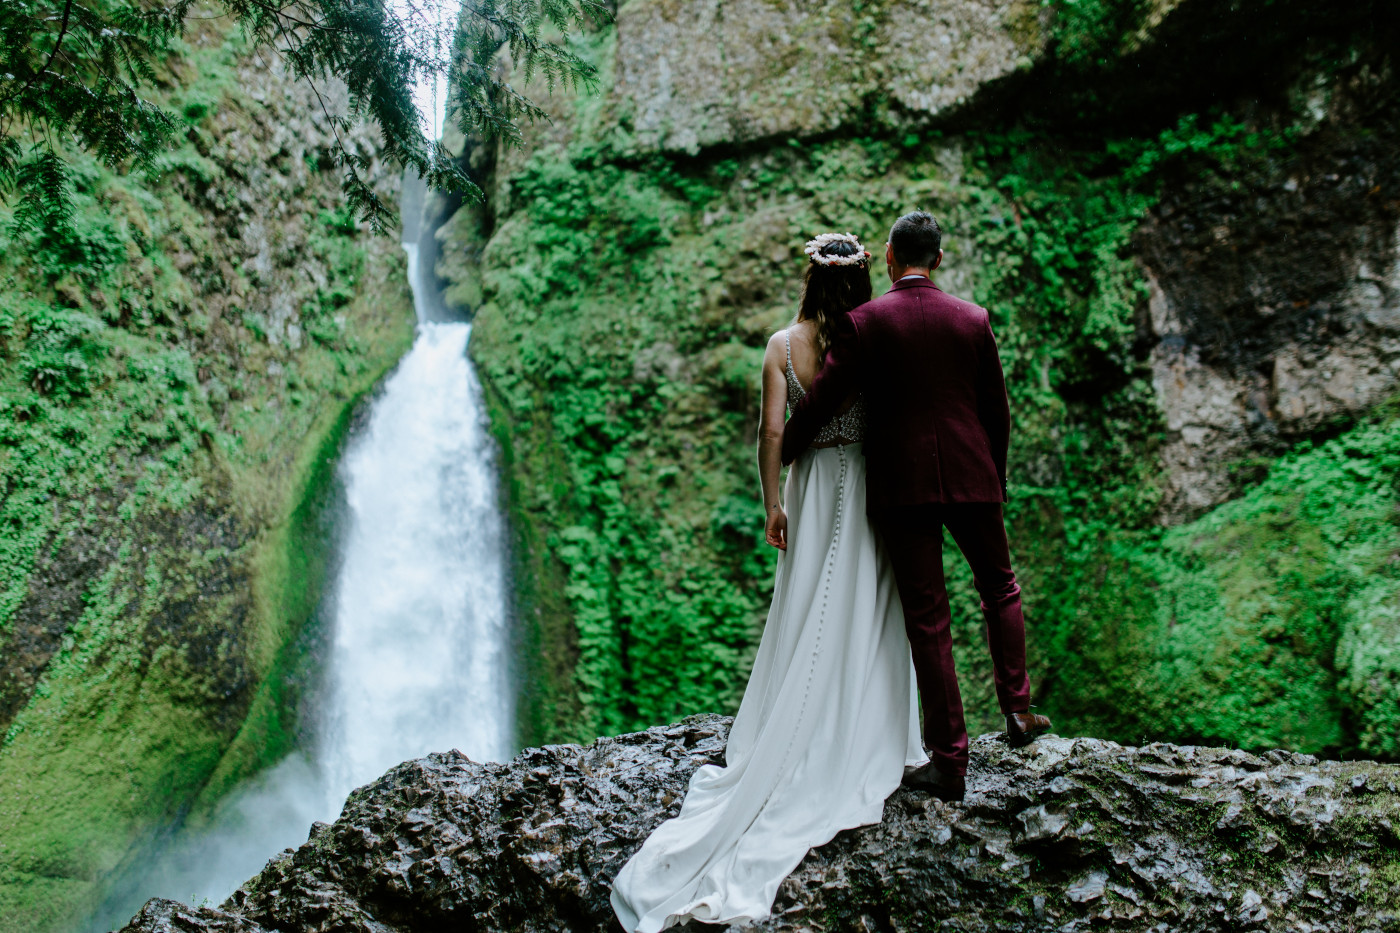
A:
(292, 571)
(1382, 887)
(624, 390)
(163, 472)
(68, 815)
(1194, 633)
(546, 648)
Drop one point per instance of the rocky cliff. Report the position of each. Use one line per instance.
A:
(176, 373)
(1065, 834)
(1183, 217)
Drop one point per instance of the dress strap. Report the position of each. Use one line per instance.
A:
(787, 340)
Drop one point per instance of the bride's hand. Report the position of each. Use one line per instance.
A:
(776, 529)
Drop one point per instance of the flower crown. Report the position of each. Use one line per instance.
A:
(814, 250)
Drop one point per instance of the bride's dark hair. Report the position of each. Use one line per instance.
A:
(829, 291)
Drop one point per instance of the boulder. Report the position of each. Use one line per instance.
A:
(1065, 834)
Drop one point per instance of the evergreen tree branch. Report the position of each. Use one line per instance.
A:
(58, 43)
(86, 72)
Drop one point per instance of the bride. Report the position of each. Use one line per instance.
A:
(829, 720)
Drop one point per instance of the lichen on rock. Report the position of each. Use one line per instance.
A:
(690, 76)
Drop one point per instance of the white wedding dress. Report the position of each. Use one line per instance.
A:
(827, 724)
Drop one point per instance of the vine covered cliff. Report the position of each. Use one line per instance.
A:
(177, 369)
(1187, 240)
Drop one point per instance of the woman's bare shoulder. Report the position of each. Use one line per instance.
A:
(802, 333)
(775, 354)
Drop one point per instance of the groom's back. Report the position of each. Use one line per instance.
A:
(934, 396)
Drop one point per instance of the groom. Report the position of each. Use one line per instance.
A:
(937, 430)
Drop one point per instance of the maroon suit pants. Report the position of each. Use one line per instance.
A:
(913, 537)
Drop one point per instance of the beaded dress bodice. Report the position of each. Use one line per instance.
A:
(847, 427)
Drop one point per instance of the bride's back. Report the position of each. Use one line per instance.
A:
(836, 280)
(801, 364)
(802, 344)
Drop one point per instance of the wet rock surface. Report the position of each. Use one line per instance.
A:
(1066, 834)
(1275, 307)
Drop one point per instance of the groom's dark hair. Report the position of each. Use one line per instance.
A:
(916, 240)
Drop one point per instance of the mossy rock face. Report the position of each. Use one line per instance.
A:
(1062, 833)
(691, 76)
(176, 373)
(1258, 346)
(1123, 204)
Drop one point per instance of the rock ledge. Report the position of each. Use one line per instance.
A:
(1065, 834)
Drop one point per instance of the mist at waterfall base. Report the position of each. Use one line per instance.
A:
(416, 658)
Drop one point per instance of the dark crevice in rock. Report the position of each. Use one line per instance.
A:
(1277, 308)
(60, 577)
(1202, 55)
(1260, 260)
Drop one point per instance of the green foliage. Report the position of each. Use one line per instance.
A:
(160, 464)
(1268, 622)
(74, 70)
(624, 315)
(1089, 34)
(659, 633)
(485, 102)
(88, 71)
(59, 359)
(1053, 245)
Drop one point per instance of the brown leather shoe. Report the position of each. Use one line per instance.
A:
(934, 780)
(1024, 728)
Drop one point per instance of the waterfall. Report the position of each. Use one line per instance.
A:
(417, 656)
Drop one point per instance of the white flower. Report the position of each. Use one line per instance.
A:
(814, 250)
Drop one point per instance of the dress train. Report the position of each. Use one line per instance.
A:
(826, 727)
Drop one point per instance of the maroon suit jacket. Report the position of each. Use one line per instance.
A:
(937, 418)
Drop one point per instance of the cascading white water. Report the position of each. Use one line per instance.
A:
(418, 655)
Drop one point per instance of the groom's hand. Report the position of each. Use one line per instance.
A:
(776, 529)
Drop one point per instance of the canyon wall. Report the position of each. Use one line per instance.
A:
(176, 374)
(1183, 220)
